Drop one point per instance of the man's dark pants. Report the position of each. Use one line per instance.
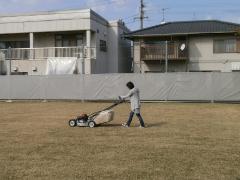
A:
(139, 118)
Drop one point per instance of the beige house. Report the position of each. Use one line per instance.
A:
(28, 40)
(189, 46)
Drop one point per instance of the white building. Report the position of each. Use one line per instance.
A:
(28, 40)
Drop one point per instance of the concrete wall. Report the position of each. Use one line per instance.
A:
(117, 57)
(46, 22)
(202, 57)
(29, 66)
(100, 32)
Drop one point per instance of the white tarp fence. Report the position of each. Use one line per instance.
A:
(170, 86)
(61, 66)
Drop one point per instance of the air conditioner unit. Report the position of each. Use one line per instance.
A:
(34, 69)
(15, 69)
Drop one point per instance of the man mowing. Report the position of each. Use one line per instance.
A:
(133, 94)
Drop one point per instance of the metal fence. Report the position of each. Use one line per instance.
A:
(44, 53)
(153, 87)
(153, 52)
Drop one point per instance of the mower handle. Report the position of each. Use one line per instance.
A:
(110, 107)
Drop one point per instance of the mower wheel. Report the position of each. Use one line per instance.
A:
(72, 123)
(91, 124)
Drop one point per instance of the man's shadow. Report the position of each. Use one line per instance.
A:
(156, 124)
(148, 125)
(110, 125)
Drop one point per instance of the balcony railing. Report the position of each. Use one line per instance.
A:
(176, 51)
(44, 53)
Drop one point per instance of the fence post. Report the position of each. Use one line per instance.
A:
(45, 87)
(166, 80)
(9, 74)
(9, 90)
(83, 88)
(212, 89)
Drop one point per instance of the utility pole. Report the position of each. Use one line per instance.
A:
(142, 14)
(141, 18)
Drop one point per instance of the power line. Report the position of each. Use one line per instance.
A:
(129, 17)
(100, 3)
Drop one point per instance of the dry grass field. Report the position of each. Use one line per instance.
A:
(182, 141)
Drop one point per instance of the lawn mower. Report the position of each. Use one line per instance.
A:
(96, 118)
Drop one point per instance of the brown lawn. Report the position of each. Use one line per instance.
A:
(182, 141)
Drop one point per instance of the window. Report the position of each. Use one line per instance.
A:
(58, 41)
(231, 45)
(2, 45)
(225, 46)
(103, 45)
(68, 40)
(14, 44)
(79, 39)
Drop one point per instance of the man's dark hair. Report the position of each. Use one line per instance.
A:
(130, 85)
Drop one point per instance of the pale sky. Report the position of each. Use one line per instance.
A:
(227, 10)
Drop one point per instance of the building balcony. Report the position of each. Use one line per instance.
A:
(157, 52)
(48, 52)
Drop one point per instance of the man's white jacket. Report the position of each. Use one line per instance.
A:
(134, 96)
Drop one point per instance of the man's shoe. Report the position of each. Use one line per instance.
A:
(125, 125)
(141, 126)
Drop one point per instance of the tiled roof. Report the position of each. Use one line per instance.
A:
(187, 27)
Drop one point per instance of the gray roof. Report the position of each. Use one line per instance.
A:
(187, 28)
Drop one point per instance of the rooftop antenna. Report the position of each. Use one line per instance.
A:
(194, 16)
(163, 15)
